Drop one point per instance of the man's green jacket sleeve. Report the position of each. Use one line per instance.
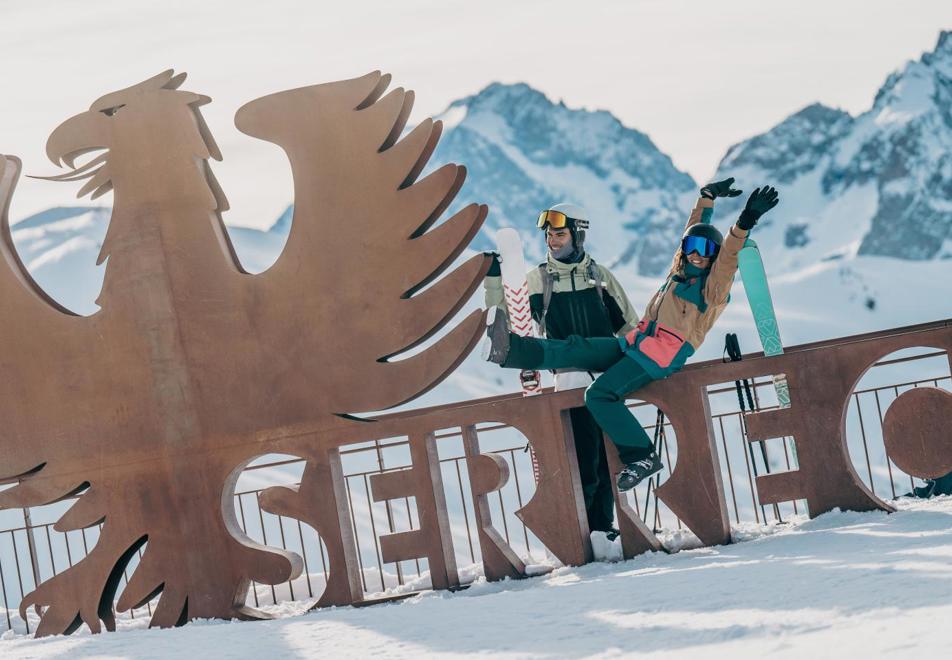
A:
(494, 293)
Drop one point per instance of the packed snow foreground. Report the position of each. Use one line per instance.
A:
(845, 583)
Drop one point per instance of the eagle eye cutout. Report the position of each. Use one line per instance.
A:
(109, 112)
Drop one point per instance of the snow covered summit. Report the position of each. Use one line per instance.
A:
(879, 184)
(525, 152)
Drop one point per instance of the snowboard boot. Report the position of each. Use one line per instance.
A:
(634, 473)
(496, 344)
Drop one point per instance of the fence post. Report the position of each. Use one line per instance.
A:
(31, 544)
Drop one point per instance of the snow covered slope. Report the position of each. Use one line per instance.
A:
(845, 584)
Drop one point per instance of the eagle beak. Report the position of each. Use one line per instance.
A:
(80, 134)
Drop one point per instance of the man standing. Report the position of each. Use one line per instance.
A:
(570, 294)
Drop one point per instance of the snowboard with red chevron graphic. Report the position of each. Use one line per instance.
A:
(516, 289)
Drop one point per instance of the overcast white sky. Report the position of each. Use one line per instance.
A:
(696, 76)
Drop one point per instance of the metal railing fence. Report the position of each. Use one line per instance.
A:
(33, 552)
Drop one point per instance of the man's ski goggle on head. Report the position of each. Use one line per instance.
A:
(703, 246)
(558, 220)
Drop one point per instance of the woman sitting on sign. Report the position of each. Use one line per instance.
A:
(676, 321)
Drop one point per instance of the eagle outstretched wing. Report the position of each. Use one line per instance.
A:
(43, 336)
(148, 408)
(362, 231)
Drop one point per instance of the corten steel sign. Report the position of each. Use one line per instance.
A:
(153, 406)
(154, 402)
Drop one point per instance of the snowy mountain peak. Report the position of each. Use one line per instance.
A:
(792, 147)
(941, 57)
(917, 88)
(551, 133)
(525, 152)
(819, 114)
(503, 98)
(877, 184)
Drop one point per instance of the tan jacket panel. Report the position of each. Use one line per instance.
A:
(684, 317)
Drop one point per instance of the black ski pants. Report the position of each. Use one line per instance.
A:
(593, 470)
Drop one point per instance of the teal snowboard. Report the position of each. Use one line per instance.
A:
(754, 276)
(752, 272)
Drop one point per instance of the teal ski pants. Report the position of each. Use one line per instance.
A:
(605, 398)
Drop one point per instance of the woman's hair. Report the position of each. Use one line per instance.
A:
(679, 260)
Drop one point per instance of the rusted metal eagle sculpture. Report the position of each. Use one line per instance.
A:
(151, 407)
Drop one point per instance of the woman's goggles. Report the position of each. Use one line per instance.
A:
(703, 246)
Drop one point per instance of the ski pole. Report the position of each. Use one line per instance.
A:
(661, 440)
(732, 349)
(763, 445)
(658, 435)
(754, 408)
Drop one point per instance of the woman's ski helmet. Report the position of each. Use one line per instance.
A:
(705, 232)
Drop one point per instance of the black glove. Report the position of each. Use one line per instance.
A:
(759, 202)
(494, 269)
(720, 189)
